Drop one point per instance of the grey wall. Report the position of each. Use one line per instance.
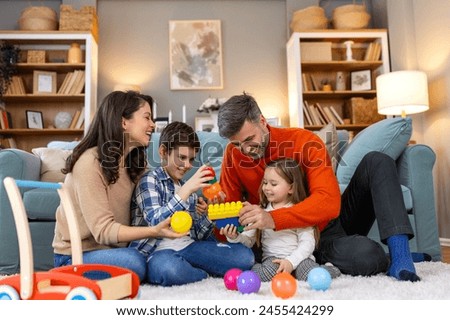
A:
(134, 48)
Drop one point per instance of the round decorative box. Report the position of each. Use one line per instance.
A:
(38, 18)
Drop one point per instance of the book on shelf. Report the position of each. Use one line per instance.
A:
(330, 115)
(16, 86)
(5, 119)
(66, 80)
(373, 51)
(322, 113)
(79, 83)
(75, 119)
(336, 114)
(314, 82)
(307, 116)
(315, 120)
(80, 120)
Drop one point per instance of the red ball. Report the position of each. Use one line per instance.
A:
(230, 278)
(284, 285)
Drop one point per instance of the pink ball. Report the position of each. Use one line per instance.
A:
(230, 278)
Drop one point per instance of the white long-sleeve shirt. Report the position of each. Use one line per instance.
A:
(294, 245)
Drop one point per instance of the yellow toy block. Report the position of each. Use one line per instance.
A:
(225, 213)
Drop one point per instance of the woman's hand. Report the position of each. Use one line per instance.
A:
(230, 231)
(285, 265)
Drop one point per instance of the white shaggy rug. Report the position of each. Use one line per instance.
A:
(435, 285)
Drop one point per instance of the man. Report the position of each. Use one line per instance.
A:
(344, 220)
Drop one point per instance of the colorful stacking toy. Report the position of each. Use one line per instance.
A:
(225, 213)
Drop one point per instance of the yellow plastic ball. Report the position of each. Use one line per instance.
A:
(181, 222)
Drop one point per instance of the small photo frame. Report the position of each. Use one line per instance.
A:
(273, 122)
(34, 119)
(361, 80)
(44, 82)
(204, 124)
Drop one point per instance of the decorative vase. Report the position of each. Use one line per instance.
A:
(74, 53)
(340, 81)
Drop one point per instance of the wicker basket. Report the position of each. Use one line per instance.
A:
(312, 17)
(38, 18)
(84, 19)
(362, 111)
(351, 16)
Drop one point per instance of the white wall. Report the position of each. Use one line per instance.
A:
(419, 36)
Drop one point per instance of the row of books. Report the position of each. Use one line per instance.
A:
(310, 82)
(316, 114)
(7, 142)
(16, 86)
(77, 120)
(5, 120)
(373, 52)
(73, 83)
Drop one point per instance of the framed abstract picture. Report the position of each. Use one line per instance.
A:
(195, 55)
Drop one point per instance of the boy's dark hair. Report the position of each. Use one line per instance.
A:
(179, 134)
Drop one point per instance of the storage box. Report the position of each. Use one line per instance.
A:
(36, 56)
(315, 51)
(84, 19)
(362, 111)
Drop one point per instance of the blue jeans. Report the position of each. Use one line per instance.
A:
(197, 261)
(128, 258)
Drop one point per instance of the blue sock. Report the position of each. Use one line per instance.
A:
(402, 266)
(420, 256)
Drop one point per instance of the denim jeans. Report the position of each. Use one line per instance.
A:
(374, 192)
(197, 261)
(128, 258)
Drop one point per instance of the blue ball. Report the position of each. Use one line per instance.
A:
(248, 282)
(319, 279)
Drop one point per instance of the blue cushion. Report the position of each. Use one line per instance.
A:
(389, 136)
(41, 204)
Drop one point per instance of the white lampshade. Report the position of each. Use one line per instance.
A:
(402, 92)
(127, 87)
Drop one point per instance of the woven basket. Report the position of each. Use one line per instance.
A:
(312, 17)
(350, 16)
(38, 18)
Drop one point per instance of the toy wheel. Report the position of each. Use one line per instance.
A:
(81, 293)
(8, 293)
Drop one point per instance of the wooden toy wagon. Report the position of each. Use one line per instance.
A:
(74, 282)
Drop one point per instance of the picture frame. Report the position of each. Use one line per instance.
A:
(204, 124)
(195, 55)
(361, 80)
(44, 82)
(34, 119)
(273, 121)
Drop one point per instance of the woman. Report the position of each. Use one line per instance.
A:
(101, 175)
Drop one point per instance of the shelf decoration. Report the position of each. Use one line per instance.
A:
(44, 82)
(34, 119)
(210, 106)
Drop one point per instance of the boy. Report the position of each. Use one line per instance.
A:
(161, 193)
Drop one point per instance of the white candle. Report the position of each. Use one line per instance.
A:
(155, 109)
(184, 113)
(170, 116)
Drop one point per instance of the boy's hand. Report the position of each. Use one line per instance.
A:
(201, 207)
(230, 231)
(285, 265)
(197, 181)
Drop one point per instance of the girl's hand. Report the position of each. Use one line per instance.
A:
(230, 231)
(201, 207)
(285, 265)
(163, 230)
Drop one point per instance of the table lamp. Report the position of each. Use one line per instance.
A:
(402, 92)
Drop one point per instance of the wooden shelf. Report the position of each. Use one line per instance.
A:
(340, 66)
(349, 127)
(49, 66)
(338, 94)
(40, 132)
(29, 97)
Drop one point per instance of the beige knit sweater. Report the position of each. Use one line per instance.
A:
(100, 208)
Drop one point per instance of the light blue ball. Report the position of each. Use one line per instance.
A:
(319, 279)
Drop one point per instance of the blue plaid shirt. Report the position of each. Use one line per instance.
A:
(154, 200)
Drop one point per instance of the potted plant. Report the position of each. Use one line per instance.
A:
(9, 55)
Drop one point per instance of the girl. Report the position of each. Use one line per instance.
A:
(101, 175)
(284, 184)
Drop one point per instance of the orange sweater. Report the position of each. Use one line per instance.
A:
(241, 177)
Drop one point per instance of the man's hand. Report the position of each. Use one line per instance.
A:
(255, 217)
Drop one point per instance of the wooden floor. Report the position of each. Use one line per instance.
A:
(446, 254)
